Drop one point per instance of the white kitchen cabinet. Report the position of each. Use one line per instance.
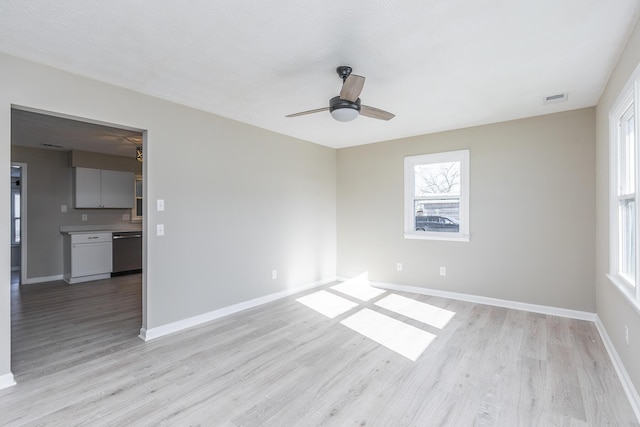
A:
(97, 188)
(88, 256)
(88, 191)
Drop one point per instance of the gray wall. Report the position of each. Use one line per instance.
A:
(531, 213)
(49, 180)
(240, 201)
(15, 257)
(613, 309)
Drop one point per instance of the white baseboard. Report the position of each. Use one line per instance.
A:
(6, 380)
(534, 308)
(625, 379)
(159, 331)
(31, 280)
(82, 279)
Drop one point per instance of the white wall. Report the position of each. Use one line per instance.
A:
(532, 215)
(612, 308)
(240, 201)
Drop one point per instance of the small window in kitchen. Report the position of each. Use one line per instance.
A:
(136, 214)
(437, 196)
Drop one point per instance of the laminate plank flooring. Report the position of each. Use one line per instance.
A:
(77, 361)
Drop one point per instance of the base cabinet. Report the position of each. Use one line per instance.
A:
(88, 256)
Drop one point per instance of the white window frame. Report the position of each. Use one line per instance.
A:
(134, 210)
(410, 162)
(15, 237)
(629, 97)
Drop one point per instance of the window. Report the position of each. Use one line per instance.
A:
(437, 196)
(16, 207)
(15, 215)
(624, 216)
(137, 206)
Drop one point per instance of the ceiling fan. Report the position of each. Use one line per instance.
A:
(347, 106)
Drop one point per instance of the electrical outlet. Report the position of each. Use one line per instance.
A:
(443, 271)
(626, 334)
(84, 217)
(125, 217)
(274, 274)
(63, 208)
(399, 266)
(160, 204)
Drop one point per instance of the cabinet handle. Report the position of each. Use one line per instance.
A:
(93, 237)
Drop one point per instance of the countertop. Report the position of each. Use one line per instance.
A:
(79, 229)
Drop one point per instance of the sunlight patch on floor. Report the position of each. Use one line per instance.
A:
(326, 303)
(404, 339)
(359, 288)
(416, 310)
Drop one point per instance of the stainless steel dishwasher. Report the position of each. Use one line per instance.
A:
(127, 252)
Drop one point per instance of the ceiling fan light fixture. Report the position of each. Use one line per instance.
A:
(343, 110)
(344, 114)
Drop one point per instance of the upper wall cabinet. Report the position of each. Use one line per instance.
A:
(96, 188)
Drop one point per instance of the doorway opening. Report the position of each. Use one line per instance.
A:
(51, 145)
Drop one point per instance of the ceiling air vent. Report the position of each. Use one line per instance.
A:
(554, 99)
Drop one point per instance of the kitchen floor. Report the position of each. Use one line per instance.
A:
(56, 325)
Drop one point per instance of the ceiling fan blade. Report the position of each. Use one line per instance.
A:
(352, 87)
(376, 113)
(304, 113)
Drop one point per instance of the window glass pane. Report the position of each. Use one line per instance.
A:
(16, 205)
(628, 239)
(627, 155)
(16, 230)
(138, 188)
(442, 215)
(437, 178)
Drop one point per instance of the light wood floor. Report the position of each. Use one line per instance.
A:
(78, 361)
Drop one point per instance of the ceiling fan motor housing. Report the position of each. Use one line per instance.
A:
(336, 103)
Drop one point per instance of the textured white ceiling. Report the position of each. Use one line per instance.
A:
(436, 64)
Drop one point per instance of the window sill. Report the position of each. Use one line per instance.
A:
(437, 236)
(626, 290)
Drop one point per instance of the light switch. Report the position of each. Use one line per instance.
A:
(63, 208)
(160, 203)
(160, 229)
